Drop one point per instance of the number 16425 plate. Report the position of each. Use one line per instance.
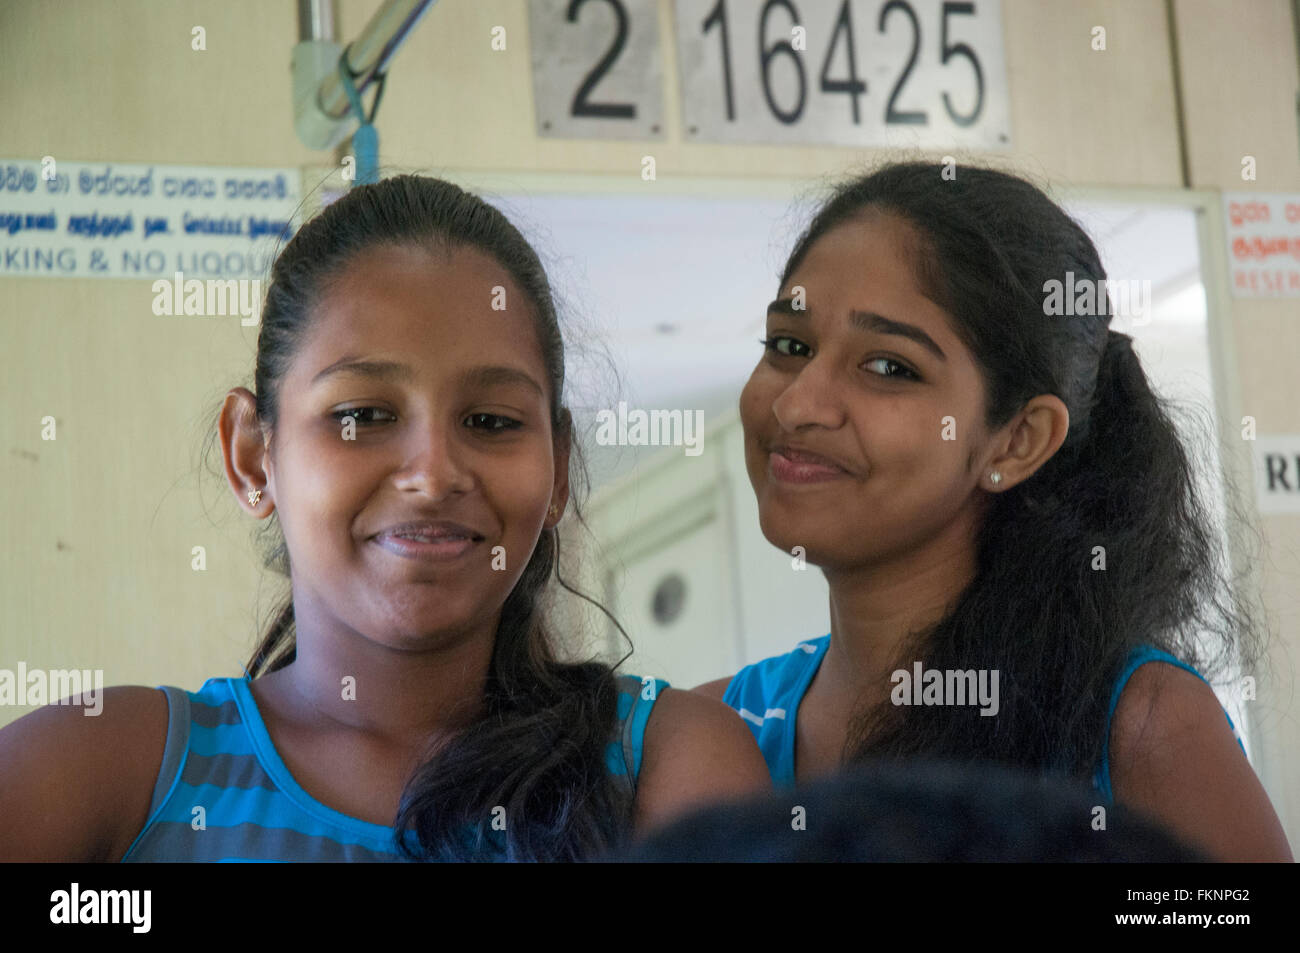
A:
(927, 73)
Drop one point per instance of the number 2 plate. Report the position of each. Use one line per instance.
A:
(596, 68)
(926, 73)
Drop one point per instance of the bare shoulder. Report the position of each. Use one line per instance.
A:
(77, 785)
(714, 689)
(1174, 757)
(697, 751)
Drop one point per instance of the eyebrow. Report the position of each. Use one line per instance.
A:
(499, 375)
(868, 321)
(381, 370)
(483, 377)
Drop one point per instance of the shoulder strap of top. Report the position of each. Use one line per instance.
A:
(1136, 659)
(178, 738)
(636, 700)
(173, 761)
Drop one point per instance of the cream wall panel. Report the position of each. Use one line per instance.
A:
(1085, 116)
(100, 522)
(1239, 92)
(83, 79)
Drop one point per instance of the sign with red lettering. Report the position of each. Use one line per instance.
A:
(1263, 244)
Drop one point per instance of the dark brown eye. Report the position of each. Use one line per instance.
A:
(785, 346)
(362, 415)
(903, 369)
(492, 422)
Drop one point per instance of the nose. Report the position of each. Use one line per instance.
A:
(814, 398)
(435, 462)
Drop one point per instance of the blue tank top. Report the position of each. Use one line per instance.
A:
(767, 696)
(224, 794)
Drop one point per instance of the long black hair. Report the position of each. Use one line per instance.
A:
(539, 749)
(1055, 628)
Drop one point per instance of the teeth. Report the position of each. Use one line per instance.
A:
(428, 539)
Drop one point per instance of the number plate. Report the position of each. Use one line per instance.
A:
(596, 68)
(871, 72)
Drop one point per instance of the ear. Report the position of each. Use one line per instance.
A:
(563, 443)
(1029, 440)
(244, 450)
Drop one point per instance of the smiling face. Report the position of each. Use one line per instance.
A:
(856, 397)
(451, 401)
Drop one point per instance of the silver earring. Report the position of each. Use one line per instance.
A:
(995, 478)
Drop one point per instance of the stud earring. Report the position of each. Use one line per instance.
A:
(995, 478)
(554, 511)
(254, 496)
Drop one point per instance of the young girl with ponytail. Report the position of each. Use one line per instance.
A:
(409, 438)
(989, 488)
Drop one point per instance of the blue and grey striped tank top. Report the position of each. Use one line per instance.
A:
(224, 794)
(767, 696)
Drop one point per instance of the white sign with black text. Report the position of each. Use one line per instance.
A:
(597, 68)
(845, 72)
(1277, 473)
(911, 73)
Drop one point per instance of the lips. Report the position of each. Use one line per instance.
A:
(430, 531)
(429, 541)
(807, 458)
(789, 464)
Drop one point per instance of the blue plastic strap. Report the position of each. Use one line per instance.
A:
(365, 141)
